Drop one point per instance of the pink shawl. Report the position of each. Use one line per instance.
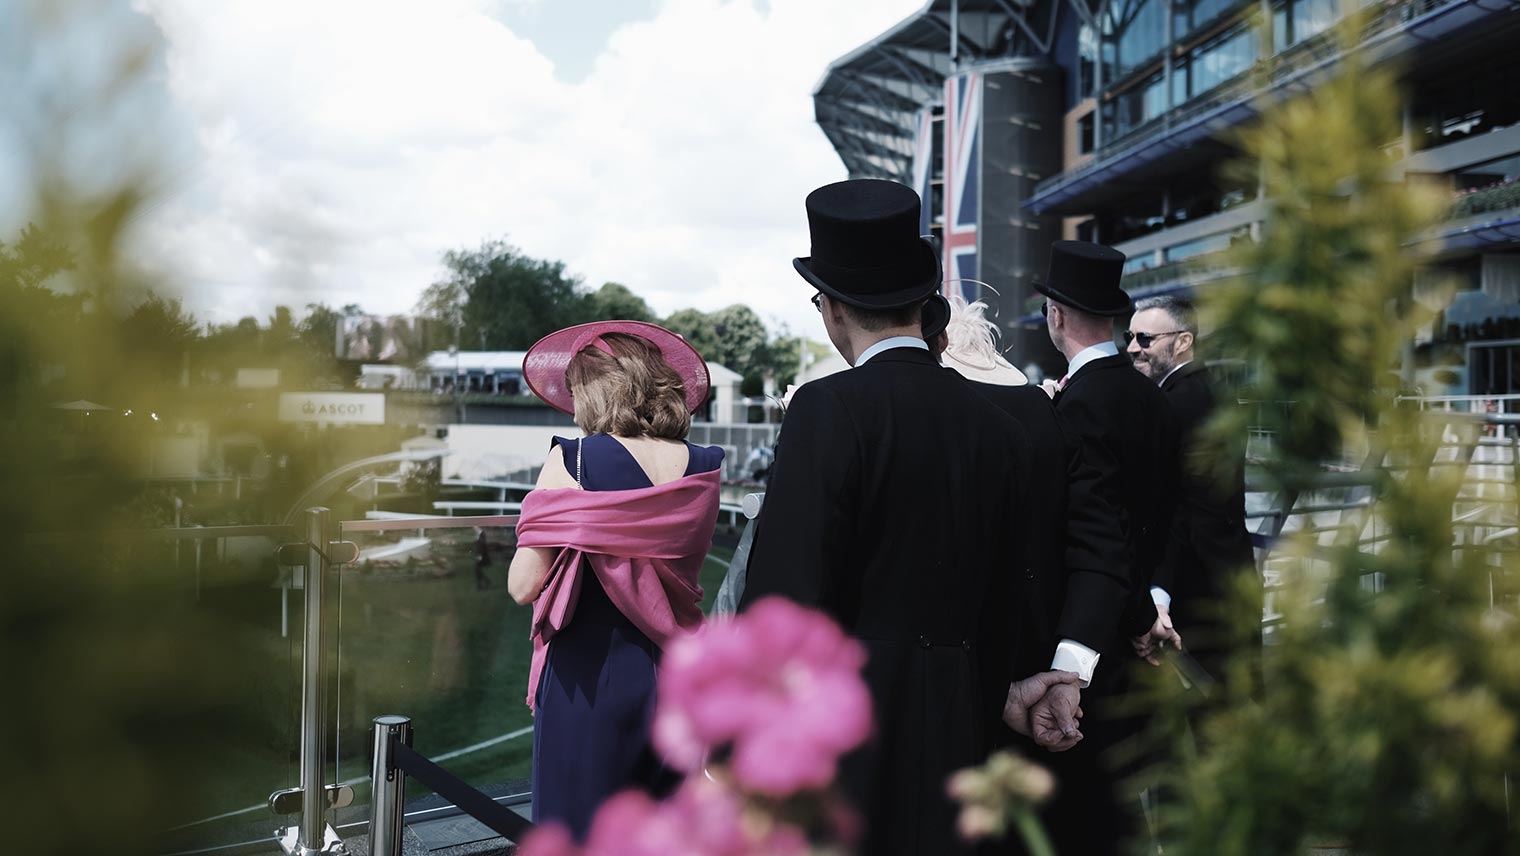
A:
(645, 546)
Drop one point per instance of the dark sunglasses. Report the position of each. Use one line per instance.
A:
(1146, 339)
(817, 300)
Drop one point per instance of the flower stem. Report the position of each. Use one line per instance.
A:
(1033, 833)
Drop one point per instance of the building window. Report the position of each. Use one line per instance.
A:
(1312, 17)
(1217, 242)
(1137, 34)
(1191, 15)
(1085, 133)
(1216, 62)
(1141, 104)
(1087, 61)
(1484, 96)
(1296, 20)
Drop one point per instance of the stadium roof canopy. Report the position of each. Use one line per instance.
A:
(868, 99)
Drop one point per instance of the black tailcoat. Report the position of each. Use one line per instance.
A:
(1076, 558)
(1210, 541)
(1129, 434)
(892, 507)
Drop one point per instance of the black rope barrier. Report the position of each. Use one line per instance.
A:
(507, 823)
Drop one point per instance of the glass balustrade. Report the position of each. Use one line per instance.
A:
(425, 628)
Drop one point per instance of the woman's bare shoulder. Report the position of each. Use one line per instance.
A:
(554, 474)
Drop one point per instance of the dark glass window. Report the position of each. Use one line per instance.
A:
(1085, 127)
(1483, 96)
(1137, 31)
(1193, 14)
(1141, 104)
(1220, 60)
(1087, 60)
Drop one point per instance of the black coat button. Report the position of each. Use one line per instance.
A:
(923, 642)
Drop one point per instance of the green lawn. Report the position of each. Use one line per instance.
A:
(416, 639)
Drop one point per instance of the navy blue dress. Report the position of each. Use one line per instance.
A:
(595, 699)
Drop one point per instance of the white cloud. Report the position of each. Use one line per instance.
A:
(344, 145)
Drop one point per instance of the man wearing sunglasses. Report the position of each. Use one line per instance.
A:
(1127, 432)
(1210, 541)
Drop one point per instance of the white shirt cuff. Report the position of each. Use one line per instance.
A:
(1160, 597)
(1073, 656)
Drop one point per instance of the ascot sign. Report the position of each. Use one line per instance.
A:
(338, 408)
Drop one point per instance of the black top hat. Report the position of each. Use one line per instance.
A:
(866, 248)
(935, 316)
(1086, 276)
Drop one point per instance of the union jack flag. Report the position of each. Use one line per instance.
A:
(963, 119)
(923, 167)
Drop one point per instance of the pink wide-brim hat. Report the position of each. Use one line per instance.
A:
(545, 363)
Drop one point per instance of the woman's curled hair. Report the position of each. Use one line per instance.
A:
(631, 392)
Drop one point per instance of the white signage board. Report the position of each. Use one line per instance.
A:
(336, 408)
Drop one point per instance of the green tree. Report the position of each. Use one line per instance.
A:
(157, 336)
(500, 299)
(741, 341)
(36, 323)
(1386, 720)
(697, 328)
(613, 301)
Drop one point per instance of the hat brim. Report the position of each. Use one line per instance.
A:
(925, 282)
(1112, 310)
(545, 364)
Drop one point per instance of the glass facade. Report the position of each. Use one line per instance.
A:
(1140, 104)
(1213, 63)
(1297, 20)
(1136, 35)
(1189, 15)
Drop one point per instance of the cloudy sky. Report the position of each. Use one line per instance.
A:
(330, 150)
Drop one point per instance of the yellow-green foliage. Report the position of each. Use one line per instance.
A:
(1385, 721)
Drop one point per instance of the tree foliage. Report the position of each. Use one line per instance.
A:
(614, 302)
(1386, 720)
(500, 299)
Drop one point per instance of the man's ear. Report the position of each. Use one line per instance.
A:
(835, 308)
(1185, 341)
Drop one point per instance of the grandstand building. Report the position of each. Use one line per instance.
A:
(1024, 121)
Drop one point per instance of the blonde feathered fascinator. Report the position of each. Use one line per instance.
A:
(973, 347)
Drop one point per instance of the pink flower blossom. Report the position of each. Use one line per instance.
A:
(703, 818)
(550, 839)
(780, 684)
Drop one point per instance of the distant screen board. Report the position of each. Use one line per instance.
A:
(380, 338)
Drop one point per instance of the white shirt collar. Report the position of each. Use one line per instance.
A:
(1173, 371)
(1088, 354)
(888, 344)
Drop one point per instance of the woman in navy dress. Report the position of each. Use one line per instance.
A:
(595, 699)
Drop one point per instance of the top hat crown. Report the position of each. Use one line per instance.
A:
(866, 248)
(1086, 276)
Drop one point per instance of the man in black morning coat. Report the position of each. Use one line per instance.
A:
(1075, 583)
(1210, 543)
(891, 507)
(1129, 435)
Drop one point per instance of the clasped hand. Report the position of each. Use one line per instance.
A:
(1148, 646)
(1045, 707)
